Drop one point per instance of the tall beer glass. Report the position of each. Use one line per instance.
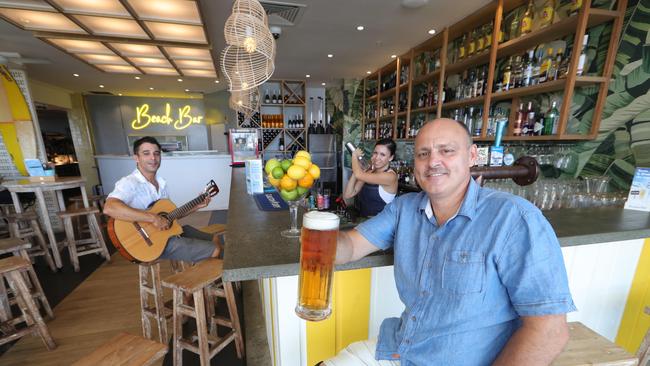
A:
(317, 252)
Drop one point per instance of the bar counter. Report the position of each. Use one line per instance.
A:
(255, 249)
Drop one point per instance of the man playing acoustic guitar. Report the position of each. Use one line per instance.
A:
(134, 193)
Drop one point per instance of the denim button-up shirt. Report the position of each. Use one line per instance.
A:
(466, 283)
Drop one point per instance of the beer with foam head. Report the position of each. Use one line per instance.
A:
(317, 253)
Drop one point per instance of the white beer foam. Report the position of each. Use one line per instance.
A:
(321, 221)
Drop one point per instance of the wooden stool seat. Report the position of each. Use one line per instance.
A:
(195, 280)
(81, 211)
(10, 270)
(125, 350)
(25, 226)
(9, 245)
(79, 247)
(586, 347)
(91, 198)
(27, 215)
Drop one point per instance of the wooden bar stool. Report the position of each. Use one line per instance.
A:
(586, 347)
(10, 269)
(152, 305)
(78, 202)
(20, 248)
(194, 280)
(125, 349)
(79, 247)
(25, 226)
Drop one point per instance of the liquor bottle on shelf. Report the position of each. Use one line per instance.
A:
(281, 148)
(526, 25)
(487, 33)
(267, 99)
(319, 128)
(274, 98)
(547, 13)
(507, 75)
(461, 48)
(480, 39)
(545, 66)
(516, 79)
(527, 76)
(536, 69)
(514, 27)
(480, 83)
(551, 119)
(477, 122)
(471, 44)
(582, 60)
(519, 122)
(528, 127)
(555, 65)
(563, 69)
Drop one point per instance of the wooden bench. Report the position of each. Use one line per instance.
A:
(587, 347)
(125, 350)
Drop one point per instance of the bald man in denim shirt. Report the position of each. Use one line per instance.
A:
(480, 272)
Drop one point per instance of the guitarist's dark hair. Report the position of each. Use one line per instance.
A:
(142, 140)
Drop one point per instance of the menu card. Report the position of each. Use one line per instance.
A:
(639, 196)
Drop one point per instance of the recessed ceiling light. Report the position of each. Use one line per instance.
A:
(179, 79)
(186, 90)
(75, 75)
(330, 55)
(120, 94)
(360, 27)
(307, 76)
(151, 88)
(432, 31)
(101, 85)
(323, 84)
(137, 78)
(368, 72)
(393, 56)
(216, 81)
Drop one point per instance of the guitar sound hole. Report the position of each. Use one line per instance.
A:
(165, 215)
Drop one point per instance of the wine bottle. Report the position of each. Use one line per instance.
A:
(521, 115)
(267, 99)
(551, 119)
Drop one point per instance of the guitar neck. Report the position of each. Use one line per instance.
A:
(186, 208)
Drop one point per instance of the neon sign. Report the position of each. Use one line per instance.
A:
(184, 117)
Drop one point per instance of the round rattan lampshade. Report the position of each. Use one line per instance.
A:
(250, 33)
(251, 7)
(245, 70)
(245, 101)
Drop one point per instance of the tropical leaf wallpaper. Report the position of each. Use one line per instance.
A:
(623, 140)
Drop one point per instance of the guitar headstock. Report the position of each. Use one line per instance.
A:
(211, 189)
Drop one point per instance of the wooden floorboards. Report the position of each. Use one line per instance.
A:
(105, 304)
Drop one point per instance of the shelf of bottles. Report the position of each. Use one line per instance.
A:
(282, 128)
(250, 122)
(540, 47)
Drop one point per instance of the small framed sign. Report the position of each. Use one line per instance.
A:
(639, 196)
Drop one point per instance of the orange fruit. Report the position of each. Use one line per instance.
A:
(306, 182)
(274, 182)
(287, 183)
(314, 171)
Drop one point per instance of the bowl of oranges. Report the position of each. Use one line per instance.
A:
(293, 179)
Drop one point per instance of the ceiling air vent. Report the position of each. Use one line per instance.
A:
(283, 14)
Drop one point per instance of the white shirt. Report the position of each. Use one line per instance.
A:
(137, 192)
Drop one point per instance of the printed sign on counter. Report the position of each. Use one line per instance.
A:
(639, 196)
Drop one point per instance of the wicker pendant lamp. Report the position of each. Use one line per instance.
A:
(249, 57)
(246, 101)
(250, 7)
(245, 70)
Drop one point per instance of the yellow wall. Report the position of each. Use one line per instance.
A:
(349, 320)
(635, 321)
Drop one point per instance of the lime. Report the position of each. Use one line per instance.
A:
(286, 163)
(277, 172)
(270, 164)
(302, 190)
(289, 195)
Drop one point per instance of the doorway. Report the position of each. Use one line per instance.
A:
(57, 138)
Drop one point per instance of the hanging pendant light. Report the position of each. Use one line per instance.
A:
(246, 102)
(245, 70)
(250, 33)
(250, 7)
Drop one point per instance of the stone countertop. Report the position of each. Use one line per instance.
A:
(255, 248)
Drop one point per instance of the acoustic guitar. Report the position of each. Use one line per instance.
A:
(141, 241)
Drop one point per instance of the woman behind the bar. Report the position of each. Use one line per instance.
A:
(376, 186)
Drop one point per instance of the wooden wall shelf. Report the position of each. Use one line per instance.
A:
(494, 12)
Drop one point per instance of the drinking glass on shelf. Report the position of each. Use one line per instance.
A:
(317, 253)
